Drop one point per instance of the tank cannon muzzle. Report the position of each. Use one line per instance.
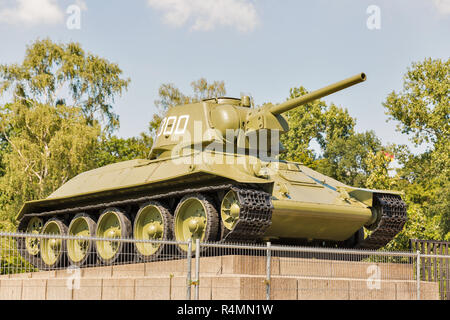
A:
(341, 85)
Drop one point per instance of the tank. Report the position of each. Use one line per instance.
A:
(213, 174)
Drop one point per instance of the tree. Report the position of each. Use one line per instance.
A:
(49, 145)
(356, 159)
(346, 159)
(313, 121)
(59, 106)
(114, 149)
(422, 109)
(53, 73)
(378, 176)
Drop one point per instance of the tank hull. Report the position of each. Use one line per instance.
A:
(306, 204)
(313, 221)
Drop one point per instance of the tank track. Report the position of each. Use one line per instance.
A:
(254, 218)
(119, 203)
(393, 218)
(256, 214)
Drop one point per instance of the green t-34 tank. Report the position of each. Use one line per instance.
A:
(212, 175)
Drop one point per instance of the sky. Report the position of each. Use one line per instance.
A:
(257, 47)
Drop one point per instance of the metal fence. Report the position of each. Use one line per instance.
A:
(320, 273)
(433, 268)
(78, 259)
(197, 270)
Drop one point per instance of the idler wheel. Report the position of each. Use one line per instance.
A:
(195, 218)
(81, 252)
(114, 224)
(153, 222)
(32, 244)
(53, 251)
(30, 248)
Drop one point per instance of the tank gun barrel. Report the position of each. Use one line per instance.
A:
(341, 85)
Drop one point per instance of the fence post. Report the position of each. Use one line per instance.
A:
(189, 275)
(418, 274)
(268, 260)
(197, 268)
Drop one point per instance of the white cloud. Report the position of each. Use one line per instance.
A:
(443, 6)
(31, 12)
(205, 15)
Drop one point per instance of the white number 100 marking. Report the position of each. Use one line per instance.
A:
(173, 125)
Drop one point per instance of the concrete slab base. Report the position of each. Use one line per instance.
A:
(223, 278)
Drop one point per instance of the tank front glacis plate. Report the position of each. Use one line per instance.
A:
(310, 205)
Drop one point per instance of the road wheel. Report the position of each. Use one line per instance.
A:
(153, 222)
(53, 251)
(195, 218)
(114, 224)
(81, 252)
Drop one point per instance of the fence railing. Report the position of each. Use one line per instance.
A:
(201, 270)
(433, 268)
(22, 253)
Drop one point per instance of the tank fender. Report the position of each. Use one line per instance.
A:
(366, 195)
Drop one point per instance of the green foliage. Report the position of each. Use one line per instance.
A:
(425, 180)
(10, 259)
(59, 107)
(346, 159)
(49, 145)
(313, 121)
(305, 123)
(378, 177)
(50, 69)
(114, 149)
(422, 110)
(356, 159)
(171, 96)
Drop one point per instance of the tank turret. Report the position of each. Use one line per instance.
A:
(231, 120)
